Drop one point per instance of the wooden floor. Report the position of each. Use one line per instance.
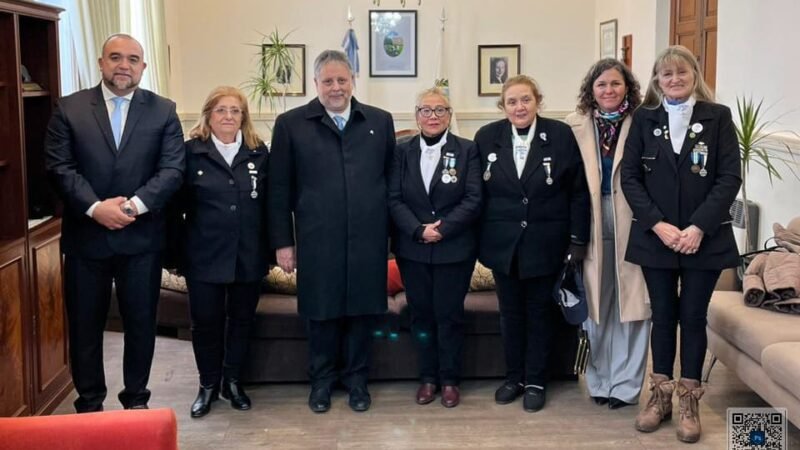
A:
(281, 419)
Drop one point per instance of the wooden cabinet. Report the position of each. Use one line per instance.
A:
(34, 373)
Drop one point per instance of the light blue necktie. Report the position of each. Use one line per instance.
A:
(116, 119)
(340, 122)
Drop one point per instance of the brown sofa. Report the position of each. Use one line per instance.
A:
(762, 347)
(278, 348)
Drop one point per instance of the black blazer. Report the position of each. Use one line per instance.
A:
(526, 218)
(86, 167)
(224, 235)
(659, 186)
(457, 204)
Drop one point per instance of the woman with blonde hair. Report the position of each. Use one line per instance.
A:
(225, 249)
(680, 175)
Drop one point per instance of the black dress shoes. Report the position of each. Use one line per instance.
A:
(615, 403)
(319, 400)
(359, 399)
(599, 400)
(508, 392)
(533, 399)
(233, 391)
(202, 404)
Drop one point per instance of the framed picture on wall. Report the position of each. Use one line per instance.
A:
(496, 64)
(608, 39)
(392, 43)
(290, 80)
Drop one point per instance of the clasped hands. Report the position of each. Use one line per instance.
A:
(685, 241)
(110, 213)
(431, 235)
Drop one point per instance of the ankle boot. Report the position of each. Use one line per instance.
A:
(202, 404)
(233, 391)
(689, 393)
(659, 407)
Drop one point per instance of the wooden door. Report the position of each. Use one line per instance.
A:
(693, 24)
(14, 369)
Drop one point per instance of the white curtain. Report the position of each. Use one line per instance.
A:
(144, 20)
(85, 25)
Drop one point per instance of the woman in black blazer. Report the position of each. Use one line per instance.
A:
(434, 200)
(680, 175)
(223, 200)
(536, 213)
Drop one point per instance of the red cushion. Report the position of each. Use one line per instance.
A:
(394, 283)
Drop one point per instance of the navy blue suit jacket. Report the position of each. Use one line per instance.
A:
(86, 167)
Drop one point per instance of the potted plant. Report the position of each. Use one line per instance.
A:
(760, 146)
(273, 57)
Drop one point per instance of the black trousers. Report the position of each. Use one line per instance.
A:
(527, 322)
(435, 294)
(339, 350)
(222, 315)
(87, 292)
(689, 308)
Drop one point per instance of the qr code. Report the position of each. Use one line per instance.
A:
(757, 429)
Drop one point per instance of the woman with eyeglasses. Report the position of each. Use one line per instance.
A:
(536, 214)
(225, 250)
(434, 200)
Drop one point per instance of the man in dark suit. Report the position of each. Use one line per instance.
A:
(328, 216)
(116, 155)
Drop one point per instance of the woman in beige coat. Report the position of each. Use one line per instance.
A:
(619, 310)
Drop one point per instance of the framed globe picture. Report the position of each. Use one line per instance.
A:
(392, 43)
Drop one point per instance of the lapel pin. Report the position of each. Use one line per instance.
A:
(200, 173)
(371, 132)
(251, 166)
(492, 157)
(543, 136)
(657, 132)
(697, 127)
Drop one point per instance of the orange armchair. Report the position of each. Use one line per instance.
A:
(152, 429)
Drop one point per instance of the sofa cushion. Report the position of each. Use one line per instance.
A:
(480, 313)
(750, 329)
(277, 318)
(781, 362)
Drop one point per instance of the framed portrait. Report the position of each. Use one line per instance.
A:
(608, 39)
(496, 64)
(392, 43)
(290, 79)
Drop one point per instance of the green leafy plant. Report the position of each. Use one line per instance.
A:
(272, 57)
(758, 145)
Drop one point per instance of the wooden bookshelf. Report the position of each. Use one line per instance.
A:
(34, 373)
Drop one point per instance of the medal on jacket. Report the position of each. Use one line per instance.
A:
(699, 158)
(448, 168)
(487, 174)
(254, 185)
(546, 162)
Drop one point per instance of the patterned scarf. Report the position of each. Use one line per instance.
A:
(608, 125)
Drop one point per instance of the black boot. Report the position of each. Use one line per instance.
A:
(233, 391)
(202, 404)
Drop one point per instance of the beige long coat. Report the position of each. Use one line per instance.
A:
(634, 303)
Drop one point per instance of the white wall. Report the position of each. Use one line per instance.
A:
(207, 45)
(757, 55)
(640, 19)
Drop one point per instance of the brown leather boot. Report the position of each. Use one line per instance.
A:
(689, 393)
(659, 407)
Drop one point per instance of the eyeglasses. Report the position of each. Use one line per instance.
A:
(235, 112)
(440, 111)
